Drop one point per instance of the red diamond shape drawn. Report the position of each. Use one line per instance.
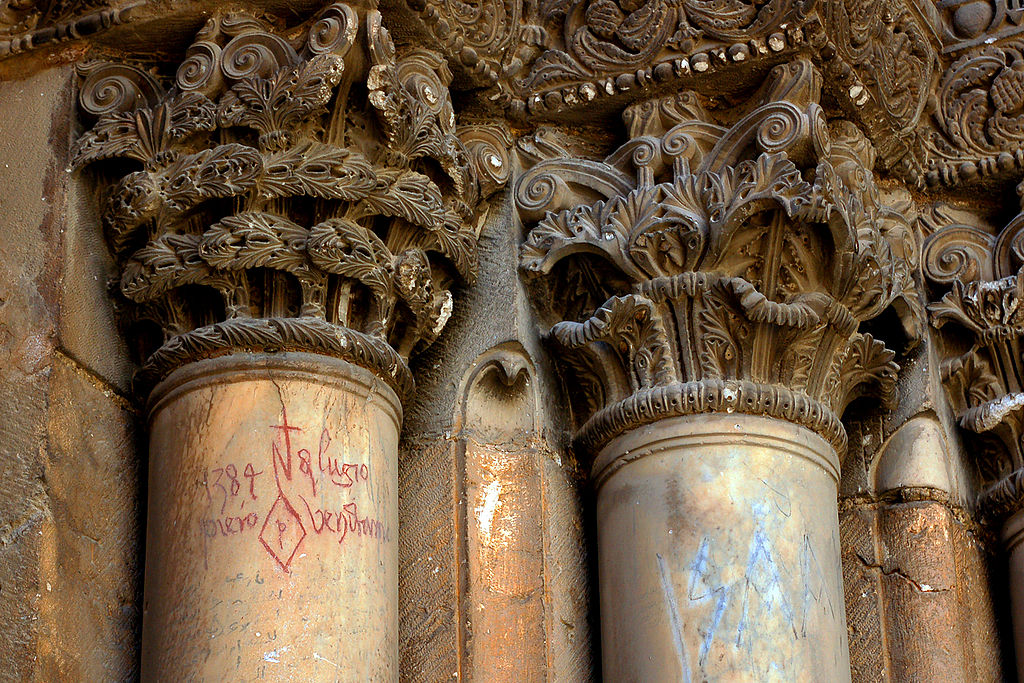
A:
(282, 532)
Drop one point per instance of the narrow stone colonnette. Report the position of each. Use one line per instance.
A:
(981, 282)
(738, 263)
(300, 202)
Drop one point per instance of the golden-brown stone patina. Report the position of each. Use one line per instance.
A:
(273, 522)
(716, 209)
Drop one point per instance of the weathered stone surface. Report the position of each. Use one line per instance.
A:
(70, 564)
(767, 252)
(430, 622)
(88, 327)
(919, 597)
(463, 605)
(523, 547)
(69, 522)
(91, 562)
(273, 522)
(476, 422)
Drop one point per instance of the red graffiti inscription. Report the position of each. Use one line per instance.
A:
(222, 484)
(302, 479)
(308, 482)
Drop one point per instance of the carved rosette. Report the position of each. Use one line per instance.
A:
(741, 260)
(983, 305)
(305, 190)
(880, 59)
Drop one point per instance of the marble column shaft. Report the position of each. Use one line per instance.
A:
(272, 537)
(718, 550)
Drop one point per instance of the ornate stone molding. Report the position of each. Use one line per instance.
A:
(983, 309)
(741, 261)
(545, 58)
(305, 190)
(972, 132)
(597, 48)
(880, 60)
(937, 89)
(29, 24)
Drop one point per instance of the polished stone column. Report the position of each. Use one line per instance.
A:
(1003, 503)
(983, 306)
(273, 522)
(718, 548)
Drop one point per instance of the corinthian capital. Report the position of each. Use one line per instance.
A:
(305, 189)
(740, 261)
(982, 315)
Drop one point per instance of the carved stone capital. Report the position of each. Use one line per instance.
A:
(740, 261)
(306, 189)
(983, 310)
(1004, 498)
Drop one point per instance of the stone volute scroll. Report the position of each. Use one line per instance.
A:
(289, 211)
(979, 281)
(736, 264)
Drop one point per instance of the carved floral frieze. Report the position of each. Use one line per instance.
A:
(936, 87)
(741, 261)
(977, 129)
(19, 16)
(881, 61)
(609, 44)
(308, 190)
(881, 58)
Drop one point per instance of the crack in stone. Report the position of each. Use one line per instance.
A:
(921, 587)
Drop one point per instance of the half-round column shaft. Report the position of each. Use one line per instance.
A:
(1013, 535)
(272, 541)
(718, 545)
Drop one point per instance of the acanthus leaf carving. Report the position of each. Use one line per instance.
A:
(981, 280)
(753, 253)
(276, 105)
(631, 324)
(163, 264)
(867, 368)
(346, 248)
(333, 214)
(144, 134)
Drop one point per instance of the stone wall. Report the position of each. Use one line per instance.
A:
(70, 523)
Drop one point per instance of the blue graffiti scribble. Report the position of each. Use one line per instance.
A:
(700, 589)
(673, 615)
